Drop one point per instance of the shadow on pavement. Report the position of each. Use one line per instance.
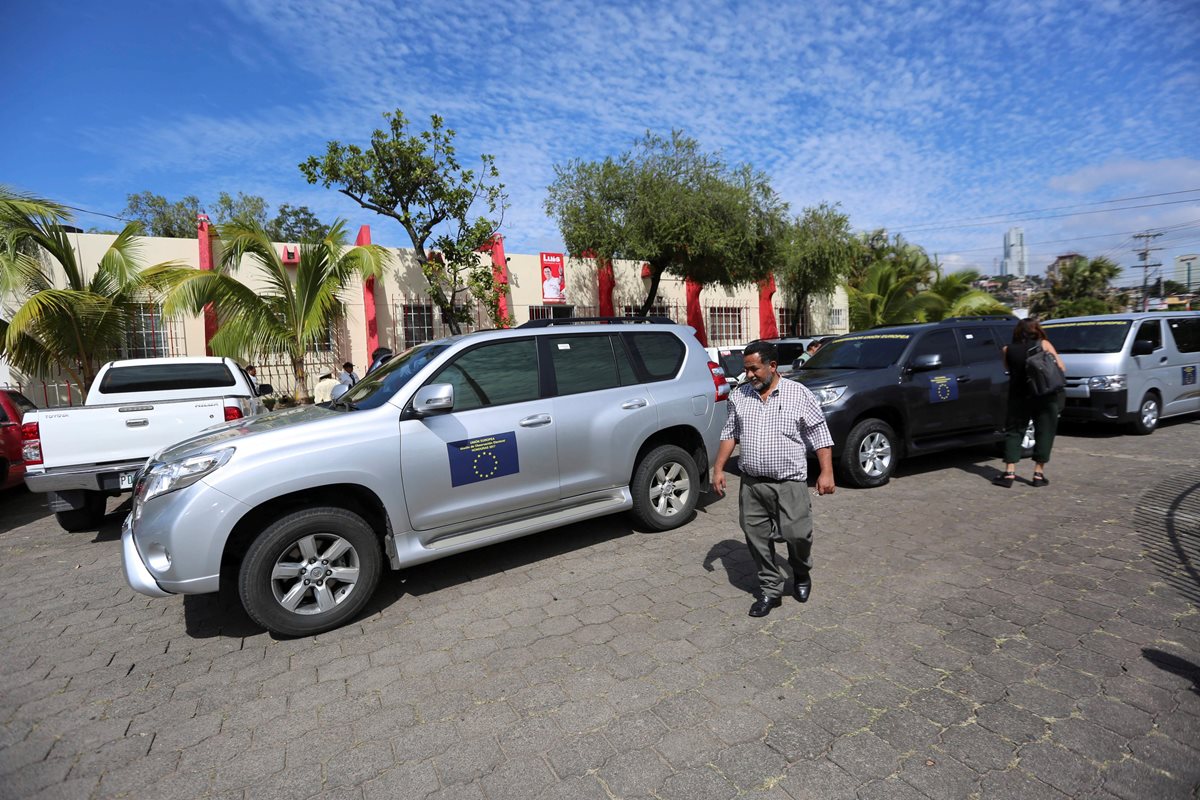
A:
(1175, 665)
(19, 506)
(739, 567)
(1168, 519)
(221, 614)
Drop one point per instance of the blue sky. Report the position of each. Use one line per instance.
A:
(919, 117)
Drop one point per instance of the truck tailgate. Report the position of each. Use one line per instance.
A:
(101, 434)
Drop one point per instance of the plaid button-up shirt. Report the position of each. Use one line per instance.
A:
(773, 433)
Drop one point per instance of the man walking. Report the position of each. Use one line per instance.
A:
(774, 420)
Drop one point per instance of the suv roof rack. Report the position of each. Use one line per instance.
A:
(980, 318)
(546, 323)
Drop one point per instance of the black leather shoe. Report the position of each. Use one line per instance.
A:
(763, 606)
(802, 589)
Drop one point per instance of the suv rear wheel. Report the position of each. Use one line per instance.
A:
(869, 457)
(86, 518)
(310, 571)
(665, 486)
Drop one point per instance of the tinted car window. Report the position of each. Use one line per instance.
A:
(165, 377)
(860, 351)
(979, 344)
(1186, 333)
(378, 385)
(939, 343)
(661, 354)
(1096, 336)
(22, 402)
(583, 363)
(493, 374)
(1151, 331)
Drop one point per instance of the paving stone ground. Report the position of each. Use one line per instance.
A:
(962, 641)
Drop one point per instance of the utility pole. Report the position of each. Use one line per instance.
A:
(1144, 254)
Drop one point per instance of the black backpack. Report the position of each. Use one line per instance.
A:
(1042, 374)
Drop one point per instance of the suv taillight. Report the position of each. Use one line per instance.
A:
(718, 375)
(31, 443)
(232, 413)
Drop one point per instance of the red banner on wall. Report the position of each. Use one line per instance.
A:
(554, 278)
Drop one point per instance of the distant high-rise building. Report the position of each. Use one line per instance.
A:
(1016, 255)
(1187, 271)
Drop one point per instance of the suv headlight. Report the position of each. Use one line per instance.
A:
(173, 475)
(1106, 382)
(829, 395)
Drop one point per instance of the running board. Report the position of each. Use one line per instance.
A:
(409, 550)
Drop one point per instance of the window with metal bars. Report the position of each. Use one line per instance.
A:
(785, 317)
(147, 335)
(725, 325)
(418, 323)
(540, 312)
(656, 310)
(837, 317)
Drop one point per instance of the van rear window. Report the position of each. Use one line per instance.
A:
(165, 377)
(1094, 336)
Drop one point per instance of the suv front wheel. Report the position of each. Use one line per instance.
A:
(310, 571)
(869, 457)
(665, 487)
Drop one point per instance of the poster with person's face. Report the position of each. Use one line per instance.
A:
(554, 287)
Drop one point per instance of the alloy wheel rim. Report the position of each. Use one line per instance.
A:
(875, 454)
(670, 489)
(314, 575)
(1149, 413)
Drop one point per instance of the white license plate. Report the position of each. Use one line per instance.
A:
(125, 479)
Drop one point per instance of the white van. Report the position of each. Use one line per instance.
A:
(1130, 368)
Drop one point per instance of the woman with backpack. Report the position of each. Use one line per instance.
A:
(1029, 399)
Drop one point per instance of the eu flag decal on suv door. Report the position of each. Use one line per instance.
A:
(483, 458)
(942, 389)
(1189, 375)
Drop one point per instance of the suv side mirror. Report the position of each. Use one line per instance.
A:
(926, 362)
(336, 392)
(1143, 347)
(433, 399)
(265, 389)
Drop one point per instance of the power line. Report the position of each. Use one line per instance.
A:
(1051, 208)
(1179, 227)
(1047, 216)
(95, 213)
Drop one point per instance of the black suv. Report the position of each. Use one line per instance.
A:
(910, 389)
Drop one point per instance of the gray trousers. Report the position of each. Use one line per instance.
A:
(786, 507)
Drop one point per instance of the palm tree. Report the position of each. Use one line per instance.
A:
(69, 330)
(953, 296)
(1081, 287)
(291, 313)
(887, 296)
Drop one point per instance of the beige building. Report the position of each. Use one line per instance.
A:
(404, 315)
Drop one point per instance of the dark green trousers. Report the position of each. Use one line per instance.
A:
(1044, 413)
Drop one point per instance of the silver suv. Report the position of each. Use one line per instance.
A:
(453, 445)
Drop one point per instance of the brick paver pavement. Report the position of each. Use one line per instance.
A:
(962, 641)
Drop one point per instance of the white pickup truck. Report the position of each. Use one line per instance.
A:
(85, 454)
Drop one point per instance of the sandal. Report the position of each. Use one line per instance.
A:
(1040, 480)
(1006, 480)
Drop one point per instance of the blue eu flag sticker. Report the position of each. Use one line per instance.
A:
(1189, 375)
(942, 389)
(483, 458)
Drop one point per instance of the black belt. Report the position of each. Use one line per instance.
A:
(765, 479)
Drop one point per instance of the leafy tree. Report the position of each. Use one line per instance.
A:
(886, 296)
(1082, 283)
(953, 295)
(245, 209)
(69, 330)
(417, 180)
(668, 203)
(1173, 287)
(296, 224)
(819, 253)
(286, 317)
(160, 217)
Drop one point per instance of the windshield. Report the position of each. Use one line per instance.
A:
(860, 351)
(1098, 336)
(378, 386)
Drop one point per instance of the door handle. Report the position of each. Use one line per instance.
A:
(1162, 360)
(637, 402)
(136, 423)
(535, 421)
(962, 379)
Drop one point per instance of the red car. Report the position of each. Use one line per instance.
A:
(13, 406)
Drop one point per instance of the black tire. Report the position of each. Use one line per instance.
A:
(1145, 419)
(318, 531)
(660, 469)
(88, 518)
(870, 454)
